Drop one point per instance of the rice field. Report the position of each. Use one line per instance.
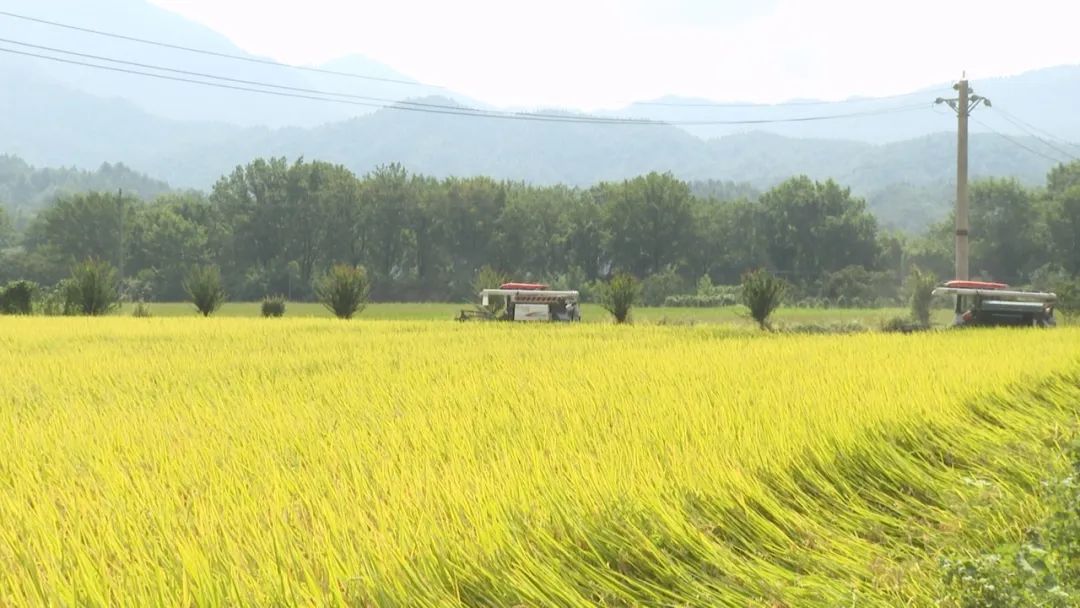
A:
(591, 313)
(311, 462)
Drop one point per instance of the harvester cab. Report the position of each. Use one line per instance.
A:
(526, 302)
(986, 304)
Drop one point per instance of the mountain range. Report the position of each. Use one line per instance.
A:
(898, 152)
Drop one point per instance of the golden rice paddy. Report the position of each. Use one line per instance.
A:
(250, 462)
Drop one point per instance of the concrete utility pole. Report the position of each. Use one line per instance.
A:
(963, 105)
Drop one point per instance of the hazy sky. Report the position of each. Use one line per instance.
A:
(603, 53)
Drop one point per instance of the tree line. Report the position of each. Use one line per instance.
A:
(274, 227)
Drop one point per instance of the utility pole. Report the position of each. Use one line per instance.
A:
(963, 105)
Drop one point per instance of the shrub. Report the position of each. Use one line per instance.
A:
(273, 306)
(138, 288)
(1054, 278)
(54, 301)
(701, 301)
(92, 289)
(762, 293)
(1068, 293)
(573, 279)
(17, 298)
(489, 278)
(921, 287)
(902, 325)
(657, 287)
(705, 286)
(858, 286)
(203, 286)
(141, 310)
(619, 295)
(344, 290)
(849, 327)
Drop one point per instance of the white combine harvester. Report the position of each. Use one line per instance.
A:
(525, 302)
(981, 303)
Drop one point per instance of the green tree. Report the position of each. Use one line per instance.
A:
(83, 226)
(934, 250)
(1063, 211)
(619, 294)
(531, 238)
(7, 229)
(762, 293)
(1063, 177)
(253, 202)
(812, 228)
(92, 289)
(854, 284)
(648, 221)
(163, 245)
(205, 289)
(489, 278)
(921, 288)
(729, 239)
(321, 205)
(388, 197)
(656, 288)
(1008, 239)
(344, 290)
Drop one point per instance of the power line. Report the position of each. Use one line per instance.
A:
(257, 60)
(459, 112)
(1015, 142)
(1043, 131)
(344, 98)
(1040, 139)
(245, 82)
(783, 104)
(231, 56)
(1032, 131)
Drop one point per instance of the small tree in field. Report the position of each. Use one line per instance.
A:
(921, 284)
(619, 295)
(92, 289)
(203, 285)
(344, 290)
(762, 293)
(489, 278)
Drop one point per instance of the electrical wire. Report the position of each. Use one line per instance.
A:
(1015, 142)
(249, 59)
(344, 98)
(238, 80)
(1033, 127)
(783, 104)
(188, 49)
(1032, 131)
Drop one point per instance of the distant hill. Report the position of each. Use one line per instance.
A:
(24, 188)
(1043, 98)
(53, 125)
(177, 100)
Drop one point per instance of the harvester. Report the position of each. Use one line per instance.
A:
(525, 302)
(980, 303)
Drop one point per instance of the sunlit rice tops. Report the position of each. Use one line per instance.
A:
(239, 461)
